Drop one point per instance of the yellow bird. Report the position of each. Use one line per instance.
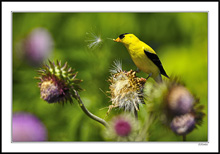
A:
(144, 57)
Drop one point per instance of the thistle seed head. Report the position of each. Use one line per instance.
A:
(126, 89)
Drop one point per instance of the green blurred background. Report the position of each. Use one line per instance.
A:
(180, 40)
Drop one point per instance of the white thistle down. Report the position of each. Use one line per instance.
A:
(126, 89)
(117, 67)
(93, 40)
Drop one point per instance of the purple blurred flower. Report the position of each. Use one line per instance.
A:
(184, 124)
(180, 100)
(38, 45)
(27, 127)
(122, 127)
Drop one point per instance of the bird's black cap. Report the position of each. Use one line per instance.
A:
(123, 35)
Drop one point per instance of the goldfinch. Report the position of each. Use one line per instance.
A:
(144, 57)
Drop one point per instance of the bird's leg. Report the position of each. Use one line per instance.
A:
(149, 76)
(138, 70)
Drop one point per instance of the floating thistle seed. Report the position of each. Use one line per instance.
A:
(93, 40)
(183, 124)
(27, 127)
(126, 89)
(58, 83)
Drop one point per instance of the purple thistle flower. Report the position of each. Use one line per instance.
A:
(122, 127)
(26, 127)
(52, 91)
(38, 46)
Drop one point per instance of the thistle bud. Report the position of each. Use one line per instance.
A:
(126, 89)
(58, 83)
(27, 127)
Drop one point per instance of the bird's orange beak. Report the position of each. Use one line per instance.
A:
(117, 40)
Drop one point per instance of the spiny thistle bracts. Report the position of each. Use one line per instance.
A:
(58, 83)
(126, 89)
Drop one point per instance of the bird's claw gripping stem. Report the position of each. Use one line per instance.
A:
(149, 76)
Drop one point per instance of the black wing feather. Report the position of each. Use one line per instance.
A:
(155, 59)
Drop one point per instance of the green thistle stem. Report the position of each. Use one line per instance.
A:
(184, 137)
(103, 122)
